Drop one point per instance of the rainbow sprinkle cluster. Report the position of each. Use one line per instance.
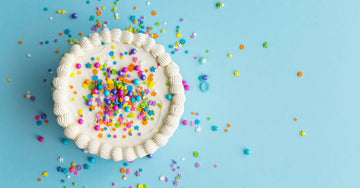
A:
(121, 98)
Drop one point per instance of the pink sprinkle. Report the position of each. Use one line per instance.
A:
(128, 125)
(37, 117)
(97, 127)
(128, 171)
(115, 136)
(192, 36)
(80, 121)
(135, 59)
(192, 123)
(172, 165)
(78, 66)
(72, 169)
(114, 184)
(184, 82)
(173, 169)
(178, 167)
(41, 139)
(185, 122)
(215, 165)
(76, 173)
(97, 65)
(98, 8)
(195, 57)
(187, 88)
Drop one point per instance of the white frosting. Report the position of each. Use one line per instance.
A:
(94, 146)
(139, 39)
(71, 131)
(59, 109)
(126, 37)
(160, 139)
(156, 133)
(178, 99)
(116, 154)
(129, 154)
(82, 141)
(164, 59)
(76, 50)
(95, 39)
(157, 49)
(150, 146)
(105, 151)
(64, 120)
(105, 36)
(148, 44)
(116, 34)
(172, 69)
(140, 151)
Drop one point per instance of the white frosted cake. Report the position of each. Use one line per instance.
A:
(118, 95)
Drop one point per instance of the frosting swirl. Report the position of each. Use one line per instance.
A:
(168, 130)
(148, 44)
(82, 141)
(178, 99)
(93, 146)
(172, 120)
(59, 83)
(175, 89)
(164, 59)
(59, 109)
(175, 80)
(115, 35)
(176, 109)
(76, 50)
(59, 96)
(140, 151)
(64, 120)
(150, 146)
(139, 39)
(95, 39)
(116, 154)
(105, 35)
(67, 59)
(160, 139)
(157, 49)
(63, 71)
(126, 37)
(105, 151)
(71, 131)
(172, 69)
(129, 154)
(86, 44)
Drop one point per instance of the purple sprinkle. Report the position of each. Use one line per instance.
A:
(41, 43)
(197, 165)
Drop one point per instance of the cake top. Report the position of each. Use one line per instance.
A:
(118, 95)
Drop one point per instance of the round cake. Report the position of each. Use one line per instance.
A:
(118, 95)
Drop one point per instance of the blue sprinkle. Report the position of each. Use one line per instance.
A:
(92, 160)
(86, 166)
(247, 151)
(65, 142)
(39, 123)
(214, 128)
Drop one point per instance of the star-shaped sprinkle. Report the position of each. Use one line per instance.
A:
(100, 135)
(198, 129)
(45, 174)
(265, 44)
(137, 173)
(197, 121)
(152, 69)
(302, 133)
(60, 159)
(88, 65)
(237, 73)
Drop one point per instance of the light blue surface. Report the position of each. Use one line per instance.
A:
(319, 38)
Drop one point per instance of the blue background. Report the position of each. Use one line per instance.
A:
(319, 38)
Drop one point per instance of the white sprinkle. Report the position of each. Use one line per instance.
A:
(28, 55)
(68, 176)
(162, 178)
(148, 3)
(183, 158)
(164, 23)
(194, 34)
(50, 18)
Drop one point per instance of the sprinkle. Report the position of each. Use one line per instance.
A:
(214, 128)
(197, 164)
(185, 122)
(203, 60)
(41, 139)
(302, 133)
(9, 79)
(229, 55)
(198, 129)
(242, 47)
(20, 42)
(154, 13)
(45, 174)
(295, 119)
(300, 74)
(247, 151)
(265, 45)
(219, 5)
(196, 154)
(237, 73)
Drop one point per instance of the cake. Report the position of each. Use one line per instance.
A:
(118, 95)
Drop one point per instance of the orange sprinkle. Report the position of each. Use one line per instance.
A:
(300, 74)
(39, 179)
(71, 86)
(122, 170)
(99, 25)
(229, 125)
(100, 135)
(24, 96)
(46, 121)
(57, 51)
(134, 22)
(98, 13)
(75, 92)
(124, 136)
(295, 119)
(154, 13)
(242, 47)
(95, 71)
(146, 70)
(153, 93)
(20, 42)
(60, 33)
(113, 129)
(92, 107)
(135, 7)
(144, 122)
(131, 67)
(192, 113)
(156, 36)
(226, 130)
(81, 33)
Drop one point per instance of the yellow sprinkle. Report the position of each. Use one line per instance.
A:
(59, 11)
(229, 55)
(81, 112)
(72, 74)
(151, 84)
(70, 43)
(99, 58)
(72, 164)
(302, 133)
(63, 12)
(140, 186)
(177, 43)
(115, 8)
(178, 35)
(79, 72)
(85, 86)
(116, 17)
(9, 79)
(114, 57)
(103, 8)
(162, 31)
(122, 57)
(73, 99)
(113, 47)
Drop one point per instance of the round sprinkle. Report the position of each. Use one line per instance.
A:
(196, 154)
(92, 160)
(300, 74)
(20, 42)
(247, 151)
(169, 96)
(197, 165)
(214, 128)
(162, 178)
(203, 60)
(78, 66)
(229, 125)
(242, 47)
(295, 119)
(265, 45)
(65, 142)
(185, 122)
(154, 13)
(74, 15)
(204, 86)
(9, 79)
(113, 184)
(41, 139)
